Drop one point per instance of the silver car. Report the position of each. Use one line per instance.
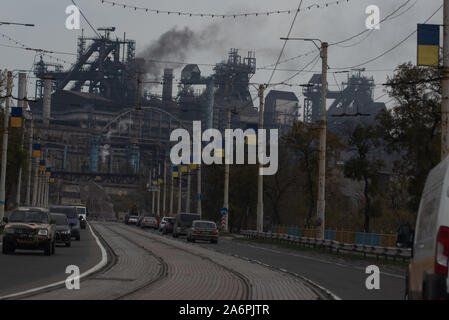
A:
(203, 230)
(149, 222)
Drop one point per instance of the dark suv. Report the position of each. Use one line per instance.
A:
(183, 221)
(72, 216)
(29, 228)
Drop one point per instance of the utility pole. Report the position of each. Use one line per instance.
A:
(30, 161)
(189, 180)
(5, 146)
(152, 192)
(21, 95)
(226, 179)
(445, 85)
(198, 192)
(260, 177)
(179, 189)
(321, 203)
(36, 180)
(164, 197)
(171, 194)
(158, 207)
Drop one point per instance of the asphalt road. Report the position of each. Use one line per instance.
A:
(26, 270)
(344, 279)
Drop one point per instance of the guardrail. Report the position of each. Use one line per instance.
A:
(372, 239)
(333, 245)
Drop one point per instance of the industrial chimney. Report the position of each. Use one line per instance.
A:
(167, 89)
(46, 103)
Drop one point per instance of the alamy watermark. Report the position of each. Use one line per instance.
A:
(72, 22)
(186, 152)
(373, 280)
(372, 22)
(73, 281)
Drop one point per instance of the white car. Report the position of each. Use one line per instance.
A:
(162, 223)
(428, 270)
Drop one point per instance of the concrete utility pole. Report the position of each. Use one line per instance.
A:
(171, 194)
(36, 179)
(226, 179)
(5, 146)
(158, 207)
(260, 177)
(21, 95)
(445, 85)
(152, 192)
(164, 197)
(30, 162)
(179, 189)
(198, 192)
(42, 188)
(321, 203)
(189, 181)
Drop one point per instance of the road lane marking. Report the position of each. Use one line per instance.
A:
(101, 264)
(319, 260)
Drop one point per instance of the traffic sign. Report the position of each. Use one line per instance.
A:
(224, 211)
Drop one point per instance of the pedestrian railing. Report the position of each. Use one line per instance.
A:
(333, 245)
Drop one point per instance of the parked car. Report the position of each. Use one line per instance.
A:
(203, 230)
(139, 221)
(162, 223)
(183, 221)
(72, 216)
(169, 225)
(63, 233)
(133, 220)
(29, 228)
(427, 274)
(149, 222)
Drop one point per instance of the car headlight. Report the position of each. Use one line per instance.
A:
(42, 232)
(9, 231)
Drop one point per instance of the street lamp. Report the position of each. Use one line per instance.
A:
(321, 202)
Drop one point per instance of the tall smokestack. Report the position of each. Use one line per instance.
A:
(46, 103)
(167, 89)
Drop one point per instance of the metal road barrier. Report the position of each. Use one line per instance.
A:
(333, 245)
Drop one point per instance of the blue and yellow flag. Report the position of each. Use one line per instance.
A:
(428, 45)
(16, 117)
(175, 173)
(48, 172)
(42, 165)
(36, 150)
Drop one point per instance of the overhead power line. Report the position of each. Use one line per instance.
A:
(20, 45)
(285, 42)
(220, 15)
(391, 49)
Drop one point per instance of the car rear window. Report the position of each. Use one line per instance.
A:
(205, 225)
(61, 220)
(188, 217)
(30, 216)
(70, 212)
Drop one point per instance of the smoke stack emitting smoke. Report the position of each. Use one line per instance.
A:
(174, 45)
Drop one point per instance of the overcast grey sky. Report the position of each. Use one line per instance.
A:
(260, 34)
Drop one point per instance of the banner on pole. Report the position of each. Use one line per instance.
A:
(428, 45)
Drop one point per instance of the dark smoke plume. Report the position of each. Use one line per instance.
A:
(174, 45)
